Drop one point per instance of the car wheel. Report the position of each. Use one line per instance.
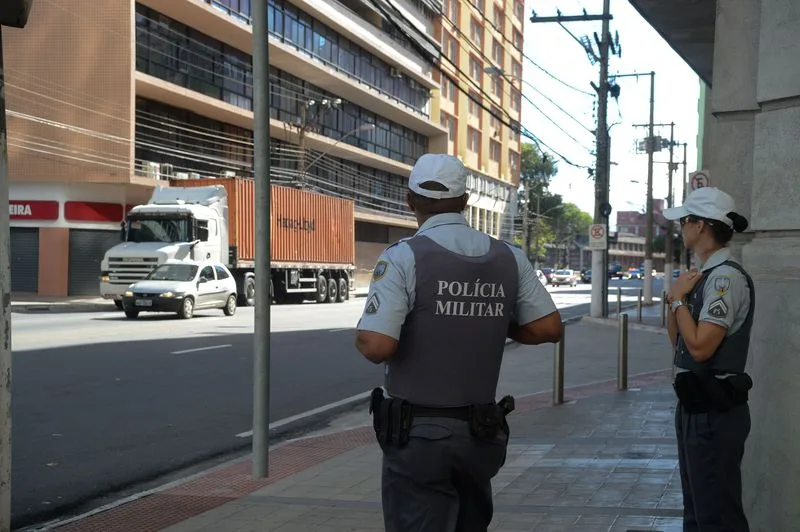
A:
(187, 309)
(230, 305)
(132, 314)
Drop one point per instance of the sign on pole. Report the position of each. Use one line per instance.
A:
(597, 237)
(699, 179)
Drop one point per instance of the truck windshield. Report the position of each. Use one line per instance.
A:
(158, 230)
(173, 272)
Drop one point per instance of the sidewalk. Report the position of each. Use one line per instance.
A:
(604, 460)
(31, 303)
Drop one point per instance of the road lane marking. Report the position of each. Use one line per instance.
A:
(207, 348)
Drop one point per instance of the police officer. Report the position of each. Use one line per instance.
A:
(711, 313)
(439, 309)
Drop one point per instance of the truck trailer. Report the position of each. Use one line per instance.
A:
(312, 241)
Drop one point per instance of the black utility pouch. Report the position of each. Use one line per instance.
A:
(692, 393)
(485, 421)
(379, 407)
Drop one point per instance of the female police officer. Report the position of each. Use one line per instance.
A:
(711, 313)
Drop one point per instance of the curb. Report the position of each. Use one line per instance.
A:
(631, 325)
(33, 308)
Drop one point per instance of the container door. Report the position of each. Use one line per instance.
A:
(25, 259)
(86, 250)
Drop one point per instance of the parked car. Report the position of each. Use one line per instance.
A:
(182, 287)
(564, 277)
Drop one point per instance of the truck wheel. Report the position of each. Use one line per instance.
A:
(344, 291)
(322, 289)
(132, 314)
(333, 290)
(187, 309)
(248, 296)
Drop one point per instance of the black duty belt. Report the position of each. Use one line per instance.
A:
(457, 412)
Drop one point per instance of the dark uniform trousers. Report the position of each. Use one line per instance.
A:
(441, 480)
(710, 450)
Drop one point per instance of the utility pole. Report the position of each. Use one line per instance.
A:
(668, 251)
(526, 242)
(685, 191)
(601, 206)
(648, 243)
(261, 173)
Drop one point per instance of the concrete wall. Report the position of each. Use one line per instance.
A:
(751, 149)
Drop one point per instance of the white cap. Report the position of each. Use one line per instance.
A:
(446, 170)
(705, 202)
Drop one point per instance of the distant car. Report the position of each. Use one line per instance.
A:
(586, 276)
(564, 277)
(541, 277)
(182, 287)
(548, 274)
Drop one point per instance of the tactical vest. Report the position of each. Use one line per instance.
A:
(452, 342)
(731, 355)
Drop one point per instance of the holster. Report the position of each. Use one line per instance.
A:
(391, 419)
(702, 391)
(486, 420)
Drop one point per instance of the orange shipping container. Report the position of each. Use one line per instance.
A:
(305, 227)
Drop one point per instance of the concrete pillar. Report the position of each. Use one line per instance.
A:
(771, 463)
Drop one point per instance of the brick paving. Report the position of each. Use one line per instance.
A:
(603, 461)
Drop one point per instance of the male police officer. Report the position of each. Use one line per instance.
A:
(439, 309)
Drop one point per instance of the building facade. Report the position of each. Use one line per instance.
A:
(479, 103)
(108, 99)
(635, 222)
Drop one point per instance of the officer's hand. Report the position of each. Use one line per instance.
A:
(685, 283)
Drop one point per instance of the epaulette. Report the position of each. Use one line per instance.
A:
(390, 246)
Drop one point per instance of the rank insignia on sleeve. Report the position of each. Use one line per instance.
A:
(722, 285)
(718, 309)
(380, 270)
(373, 304)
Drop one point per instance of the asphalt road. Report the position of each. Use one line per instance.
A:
(103, 405)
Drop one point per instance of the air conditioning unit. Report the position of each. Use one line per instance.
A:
(395, 73)
(181, 175)
(194, 175)
(167, 170)
(227, 173)
(151, 169)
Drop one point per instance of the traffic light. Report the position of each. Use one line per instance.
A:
(15, 13)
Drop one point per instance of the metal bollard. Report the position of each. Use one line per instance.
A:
(619, 300)
(622, 355)
(639, 307)
(663, 308)
(558, 373)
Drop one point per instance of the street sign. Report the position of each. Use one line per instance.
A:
(597, 237)
(699, 179)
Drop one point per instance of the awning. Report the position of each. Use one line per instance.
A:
(687, 26)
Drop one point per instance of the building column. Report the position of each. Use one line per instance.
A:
(771, 465)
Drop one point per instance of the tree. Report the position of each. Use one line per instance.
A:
(572, 221)
(536, 170)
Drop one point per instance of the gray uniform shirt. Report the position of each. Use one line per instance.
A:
(726, 297)
(393, 287)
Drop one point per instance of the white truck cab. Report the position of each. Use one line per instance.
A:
(177, 223)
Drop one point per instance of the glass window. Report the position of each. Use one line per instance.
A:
(221, 273)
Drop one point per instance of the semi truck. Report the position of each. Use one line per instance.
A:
(312, 241)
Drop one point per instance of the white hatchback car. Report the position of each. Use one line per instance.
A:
(182, 287)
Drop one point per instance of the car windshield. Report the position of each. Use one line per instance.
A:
(173, 272)
(563, 272)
